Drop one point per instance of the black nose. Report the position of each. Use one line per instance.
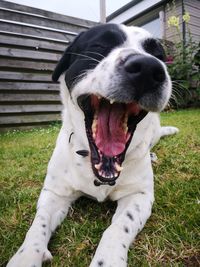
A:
(144, 72)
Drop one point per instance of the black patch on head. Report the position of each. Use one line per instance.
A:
(154, 47)
(87, 50)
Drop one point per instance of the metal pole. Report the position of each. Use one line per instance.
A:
(103, 11)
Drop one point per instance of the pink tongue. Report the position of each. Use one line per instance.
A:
(110, 136)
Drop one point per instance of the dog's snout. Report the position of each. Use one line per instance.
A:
(144, 70)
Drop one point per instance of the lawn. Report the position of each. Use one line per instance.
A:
(171, 236)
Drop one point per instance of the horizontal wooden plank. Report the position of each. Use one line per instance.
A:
(194, 10)
(6, 109)
(29, 54)
(7, 26)
(27, 42)
(34, 37)
(14, 22)
(40, 21)
(21, 86)
(5, 97)
(5, 120)
(25, 65)
(47, 14)
(6, 75)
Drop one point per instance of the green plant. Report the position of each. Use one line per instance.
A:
(183, 64)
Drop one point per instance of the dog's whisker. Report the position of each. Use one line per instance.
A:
(82, 55)
(95, 53)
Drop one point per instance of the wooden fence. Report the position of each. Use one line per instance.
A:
(31, 42)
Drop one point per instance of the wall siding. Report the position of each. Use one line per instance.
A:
(31, 43)
(193, 7)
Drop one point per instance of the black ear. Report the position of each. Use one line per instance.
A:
(64, 62)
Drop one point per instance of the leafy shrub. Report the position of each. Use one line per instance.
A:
(183, 60)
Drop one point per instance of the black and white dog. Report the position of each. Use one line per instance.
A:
(113, 83)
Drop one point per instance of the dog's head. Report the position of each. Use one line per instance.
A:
(115, 75)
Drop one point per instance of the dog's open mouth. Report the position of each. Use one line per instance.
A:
(109, 127)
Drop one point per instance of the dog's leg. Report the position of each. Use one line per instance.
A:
(168, 130)
(51, 211)
(130, 217)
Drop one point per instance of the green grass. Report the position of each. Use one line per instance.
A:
(170, 237)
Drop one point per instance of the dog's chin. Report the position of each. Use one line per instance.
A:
(109, 127)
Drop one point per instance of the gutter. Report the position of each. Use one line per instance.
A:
(131, 4)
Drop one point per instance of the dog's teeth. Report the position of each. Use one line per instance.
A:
(99, 97)
(112, 101)
(115, 175)
(98, 166)
(118, 167)
(94, 127)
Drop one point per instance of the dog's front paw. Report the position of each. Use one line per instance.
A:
(31, 256)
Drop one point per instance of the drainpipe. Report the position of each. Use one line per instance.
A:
(183, 23)
(103, 11)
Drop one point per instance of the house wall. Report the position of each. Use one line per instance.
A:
(193, 7)
(151, 9)
(31, 43)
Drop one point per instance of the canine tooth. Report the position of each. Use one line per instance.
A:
(99, 97)
(118, 167)
(98, 166)
(94, 127)
(115, 175)
(112, 101)
(101, 173)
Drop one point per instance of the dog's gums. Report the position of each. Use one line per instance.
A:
(109, 127)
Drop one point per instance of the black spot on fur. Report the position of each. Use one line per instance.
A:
(44, 225)
(137, 207)
(100, 263)
(126, 230)
(44, 233)
(33, 265)
(121, 258)
(35, 244)
(21, 251)
(37, 250)
(130, 216)
(123, 245)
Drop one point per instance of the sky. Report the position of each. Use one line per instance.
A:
(85, 9)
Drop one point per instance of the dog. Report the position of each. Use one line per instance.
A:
(114, 82)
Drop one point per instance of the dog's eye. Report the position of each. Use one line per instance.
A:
(154, 48)
(160, 56)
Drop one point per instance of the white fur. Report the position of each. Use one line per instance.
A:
(69, 175)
